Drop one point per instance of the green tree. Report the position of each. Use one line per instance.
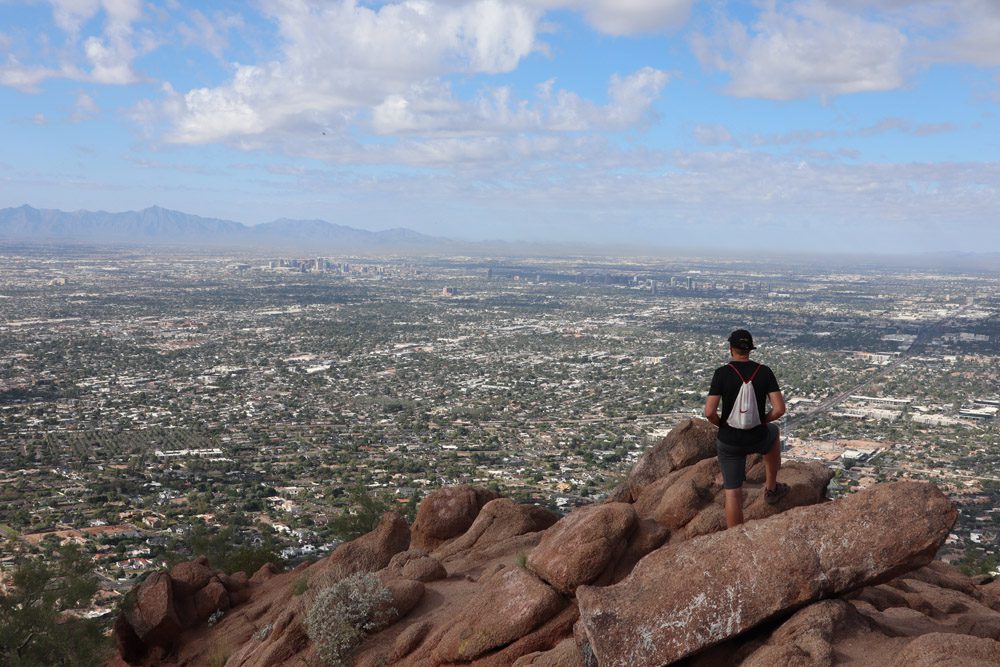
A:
(361, 516)
(35, 629)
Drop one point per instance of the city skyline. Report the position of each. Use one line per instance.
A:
(866, 125)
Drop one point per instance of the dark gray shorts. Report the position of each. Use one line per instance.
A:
(733, 460)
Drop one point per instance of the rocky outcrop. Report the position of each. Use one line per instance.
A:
(512, 603)
(497, 522)
(372, 551)
(581, 546)
(491, 582)
(887, 624)
(447, 513)
(687, 443)
(682, 598)
(157, 613)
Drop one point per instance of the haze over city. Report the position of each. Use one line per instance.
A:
(834, 126)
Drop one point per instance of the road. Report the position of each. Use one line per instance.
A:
(926, 335)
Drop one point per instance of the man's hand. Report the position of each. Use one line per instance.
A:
(712, 409)
(777, 407)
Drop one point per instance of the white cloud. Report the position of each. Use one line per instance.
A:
(342, 64)
(713, 135)
(109, 55)
(71, 15)
(341, 57)
(433, 109)
(24, 77)
(805, 48)
(209, 31)
(971, 30)
(85, 108)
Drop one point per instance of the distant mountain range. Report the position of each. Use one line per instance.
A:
(160, 226)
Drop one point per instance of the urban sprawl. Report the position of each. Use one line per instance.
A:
(151, 403)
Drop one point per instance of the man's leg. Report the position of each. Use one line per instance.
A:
(772, 461)
(734, 507)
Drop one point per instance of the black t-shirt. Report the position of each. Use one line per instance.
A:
(726, 383)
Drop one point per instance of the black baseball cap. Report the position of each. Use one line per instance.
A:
(742, 340)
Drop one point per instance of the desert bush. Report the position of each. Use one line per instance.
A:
(343, 614)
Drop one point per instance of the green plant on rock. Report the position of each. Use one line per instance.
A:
(343, 614)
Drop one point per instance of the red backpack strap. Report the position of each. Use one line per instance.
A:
(756, 370)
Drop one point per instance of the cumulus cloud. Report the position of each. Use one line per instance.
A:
(108, 55)
(797, 49)
(804, 48)
(343, 65)
(970, 29)
(433, 109)
(339, 57)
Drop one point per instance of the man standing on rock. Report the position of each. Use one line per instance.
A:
(745, 431)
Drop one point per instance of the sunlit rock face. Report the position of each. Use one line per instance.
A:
(644, 578)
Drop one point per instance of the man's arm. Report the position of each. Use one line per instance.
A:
(712, 409)
(777, 407)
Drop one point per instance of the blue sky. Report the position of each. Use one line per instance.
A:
(816, 125)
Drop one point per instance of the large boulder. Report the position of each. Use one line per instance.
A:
(498, 521)
(153, 615)
(684, 597)
(687, 443)
(673, 500)
(580, 546)
(372, 551)
(873, 625)
(190, 576)
(511, 603)
(689, 502)
(447, 513)
(210, 599)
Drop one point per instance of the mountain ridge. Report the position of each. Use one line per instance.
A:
(156, 225)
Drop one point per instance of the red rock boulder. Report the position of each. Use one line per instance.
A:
(682, 598)
(687, 443)
(511, 603)
(153, 616)
(447, 513)
(578, 548)
(498, 521)
(372, 551)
